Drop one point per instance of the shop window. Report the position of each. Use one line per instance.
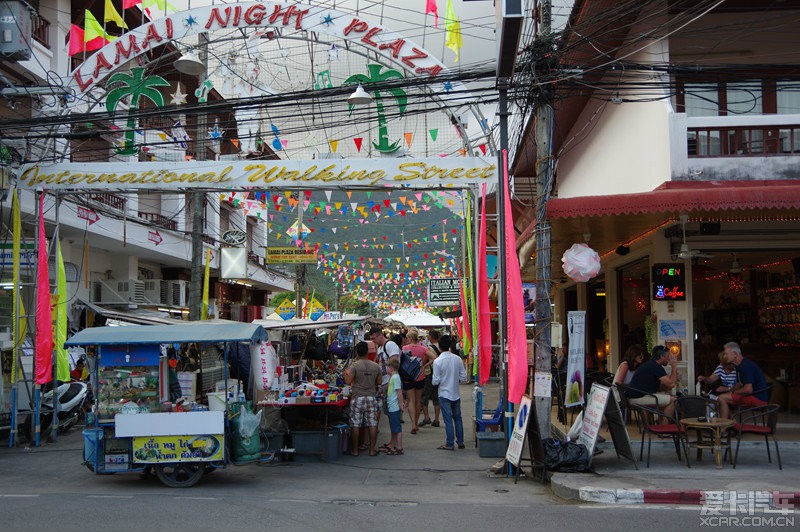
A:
(744, 98)
(788, 97)
(701, 99)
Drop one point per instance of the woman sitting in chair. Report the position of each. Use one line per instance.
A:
(722, 380)
(633, 359)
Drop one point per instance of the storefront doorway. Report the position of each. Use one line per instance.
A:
(633, 281)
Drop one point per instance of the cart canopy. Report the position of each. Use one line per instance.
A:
(182, 332)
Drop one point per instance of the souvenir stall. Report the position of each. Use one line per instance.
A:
(141, 422)
(304, 407)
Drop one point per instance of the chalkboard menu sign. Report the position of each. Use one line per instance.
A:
(669, 281)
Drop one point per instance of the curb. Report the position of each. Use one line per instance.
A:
(649, 496)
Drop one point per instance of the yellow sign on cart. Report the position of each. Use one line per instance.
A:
(161, 449)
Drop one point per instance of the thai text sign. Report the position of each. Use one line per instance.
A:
(445, 171)
(444, 291)
(283, 255)
(159, 449)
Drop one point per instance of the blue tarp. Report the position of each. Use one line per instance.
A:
(181, 332)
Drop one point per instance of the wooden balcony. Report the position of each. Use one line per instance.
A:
(41, 31)
(744, 141)
(159, 220)
(111, 200)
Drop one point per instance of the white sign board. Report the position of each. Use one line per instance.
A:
(593, 416)
(443, 292)
(543, 384)
(388, 172)
(168, 424)
(514, 451)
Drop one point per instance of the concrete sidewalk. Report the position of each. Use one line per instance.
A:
(667, 481)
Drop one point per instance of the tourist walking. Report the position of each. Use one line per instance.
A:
(448, 372)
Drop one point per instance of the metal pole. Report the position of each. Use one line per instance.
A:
(299, 269)
(544, 311)
(54, 354)
(502, 309)
(198, 198)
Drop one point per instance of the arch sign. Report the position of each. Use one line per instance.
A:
(177, 26)
(457, 172)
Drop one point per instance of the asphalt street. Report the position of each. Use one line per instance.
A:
(425, 489)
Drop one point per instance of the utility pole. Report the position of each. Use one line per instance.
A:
(502, 300)
(198, 198)
(299, 269)
(543, 169)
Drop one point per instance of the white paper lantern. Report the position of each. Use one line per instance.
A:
(580, 262)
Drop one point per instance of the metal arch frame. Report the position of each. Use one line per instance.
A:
(166, 25)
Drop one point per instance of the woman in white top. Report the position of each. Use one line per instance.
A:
(633, 358)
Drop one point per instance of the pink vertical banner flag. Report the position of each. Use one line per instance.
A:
(431, 7)
(484, 320)
(44, 318)
(515, 325)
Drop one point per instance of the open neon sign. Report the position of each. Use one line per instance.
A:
(669, 282)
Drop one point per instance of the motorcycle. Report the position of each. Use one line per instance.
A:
(72, 397)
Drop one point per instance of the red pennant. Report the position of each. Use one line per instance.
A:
(358, 141)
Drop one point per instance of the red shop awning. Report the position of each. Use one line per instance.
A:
(685, 197)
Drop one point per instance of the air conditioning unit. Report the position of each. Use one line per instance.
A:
(179, 293)
(131, 290)
(156, 292)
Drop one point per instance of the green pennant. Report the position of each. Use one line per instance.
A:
(434, 133)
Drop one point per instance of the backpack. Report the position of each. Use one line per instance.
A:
(410, 367)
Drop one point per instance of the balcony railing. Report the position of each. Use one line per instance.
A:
(159, 220)
(745, 141)
(41, 31)
(112, 200)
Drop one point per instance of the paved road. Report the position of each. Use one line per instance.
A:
(48, 488)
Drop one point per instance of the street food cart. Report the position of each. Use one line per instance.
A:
(136, 427)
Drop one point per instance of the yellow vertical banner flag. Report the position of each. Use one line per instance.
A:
(204, 307)
(18, 322)
(93, 29)
(452, 39)
(112, 15)
(60, 331)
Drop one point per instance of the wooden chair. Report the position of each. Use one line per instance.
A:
(761, 420)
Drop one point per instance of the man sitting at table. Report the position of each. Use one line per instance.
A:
(751, 379)
(651, 378)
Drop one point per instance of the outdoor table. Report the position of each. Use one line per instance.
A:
(716, 426)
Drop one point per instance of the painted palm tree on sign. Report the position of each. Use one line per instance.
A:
(375, 76)
(137, 87)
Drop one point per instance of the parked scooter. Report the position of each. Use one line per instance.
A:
(72, 397)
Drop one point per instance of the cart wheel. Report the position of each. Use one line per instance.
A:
(180, 475)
